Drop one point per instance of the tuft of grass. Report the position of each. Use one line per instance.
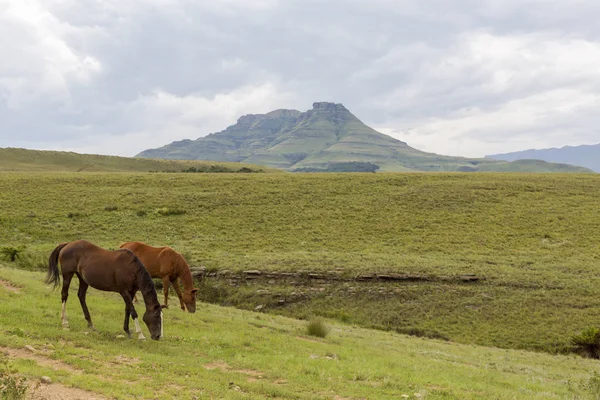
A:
(318, 328)
(12, 386)
(111, 208)
(141, 213)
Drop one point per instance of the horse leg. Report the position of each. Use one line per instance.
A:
(126, 322)
(178, 291)
(166, 283)
(127, 297)
(64, 297)
(83, 287)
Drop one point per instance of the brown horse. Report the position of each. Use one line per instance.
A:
(114, 271)
(168, 265)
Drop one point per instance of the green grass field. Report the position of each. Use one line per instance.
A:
(532, 239)
(224, 353)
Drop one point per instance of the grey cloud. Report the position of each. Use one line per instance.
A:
(396, 64)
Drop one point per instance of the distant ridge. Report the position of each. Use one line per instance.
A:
(15, 159)
(587, 156)
(327, 137)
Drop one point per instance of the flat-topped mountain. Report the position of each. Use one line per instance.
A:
(326, 138)
(587, 156)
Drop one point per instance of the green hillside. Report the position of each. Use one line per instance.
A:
(491, 259)
(221, 353)
(326, 138)
(14, 159)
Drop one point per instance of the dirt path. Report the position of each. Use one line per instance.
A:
(52, 391)
(56, 391)
(9, 286)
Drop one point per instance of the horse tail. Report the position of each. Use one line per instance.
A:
(53, 276)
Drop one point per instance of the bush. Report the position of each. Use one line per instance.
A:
(33, 261)
(165, 211)
(11, 253)
(318, 328)
(587, 343)
(12, 387)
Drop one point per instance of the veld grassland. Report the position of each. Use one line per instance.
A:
(224, 353)
(532, 239)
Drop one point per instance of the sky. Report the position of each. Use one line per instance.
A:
(455, 77)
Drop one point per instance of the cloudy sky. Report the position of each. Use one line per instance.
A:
(456, 77)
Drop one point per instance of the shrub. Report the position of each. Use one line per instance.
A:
(12, 387)
(421, 333)
(318, 328)
(587, 343)
(33, 262)
(11, 253)
(165, 211)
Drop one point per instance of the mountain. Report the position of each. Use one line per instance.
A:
(14, 159)
(326, 138)
(587, 156)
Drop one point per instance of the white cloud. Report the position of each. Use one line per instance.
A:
(460, 77)
(37, 61)
(161, 117)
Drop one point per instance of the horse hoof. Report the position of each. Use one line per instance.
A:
(141, 337)
(164, 306)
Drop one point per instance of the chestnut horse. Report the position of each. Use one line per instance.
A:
(114, 271)
(168, 265)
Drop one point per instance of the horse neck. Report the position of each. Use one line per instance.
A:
(147, 289)
(185, 276)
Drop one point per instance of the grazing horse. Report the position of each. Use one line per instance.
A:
(168, 265)
(114, 271)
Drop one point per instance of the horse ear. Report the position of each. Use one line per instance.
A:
(194, 290)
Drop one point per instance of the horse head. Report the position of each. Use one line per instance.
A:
(153, 318)
(189, 299)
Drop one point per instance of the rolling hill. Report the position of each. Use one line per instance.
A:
(587, 156)
(326, 138)
(14, 159)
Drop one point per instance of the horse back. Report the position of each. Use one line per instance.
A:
(155, 259)
(100, 268)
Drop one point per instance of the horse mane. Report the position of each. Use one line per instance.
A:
(144, 280)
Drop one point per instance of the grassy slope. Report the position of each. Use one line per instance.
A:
(231, 354)
(533, 238)
(13, 159)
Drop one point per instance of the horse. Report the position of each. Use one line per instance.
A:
(113, 271)
(167, 264)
